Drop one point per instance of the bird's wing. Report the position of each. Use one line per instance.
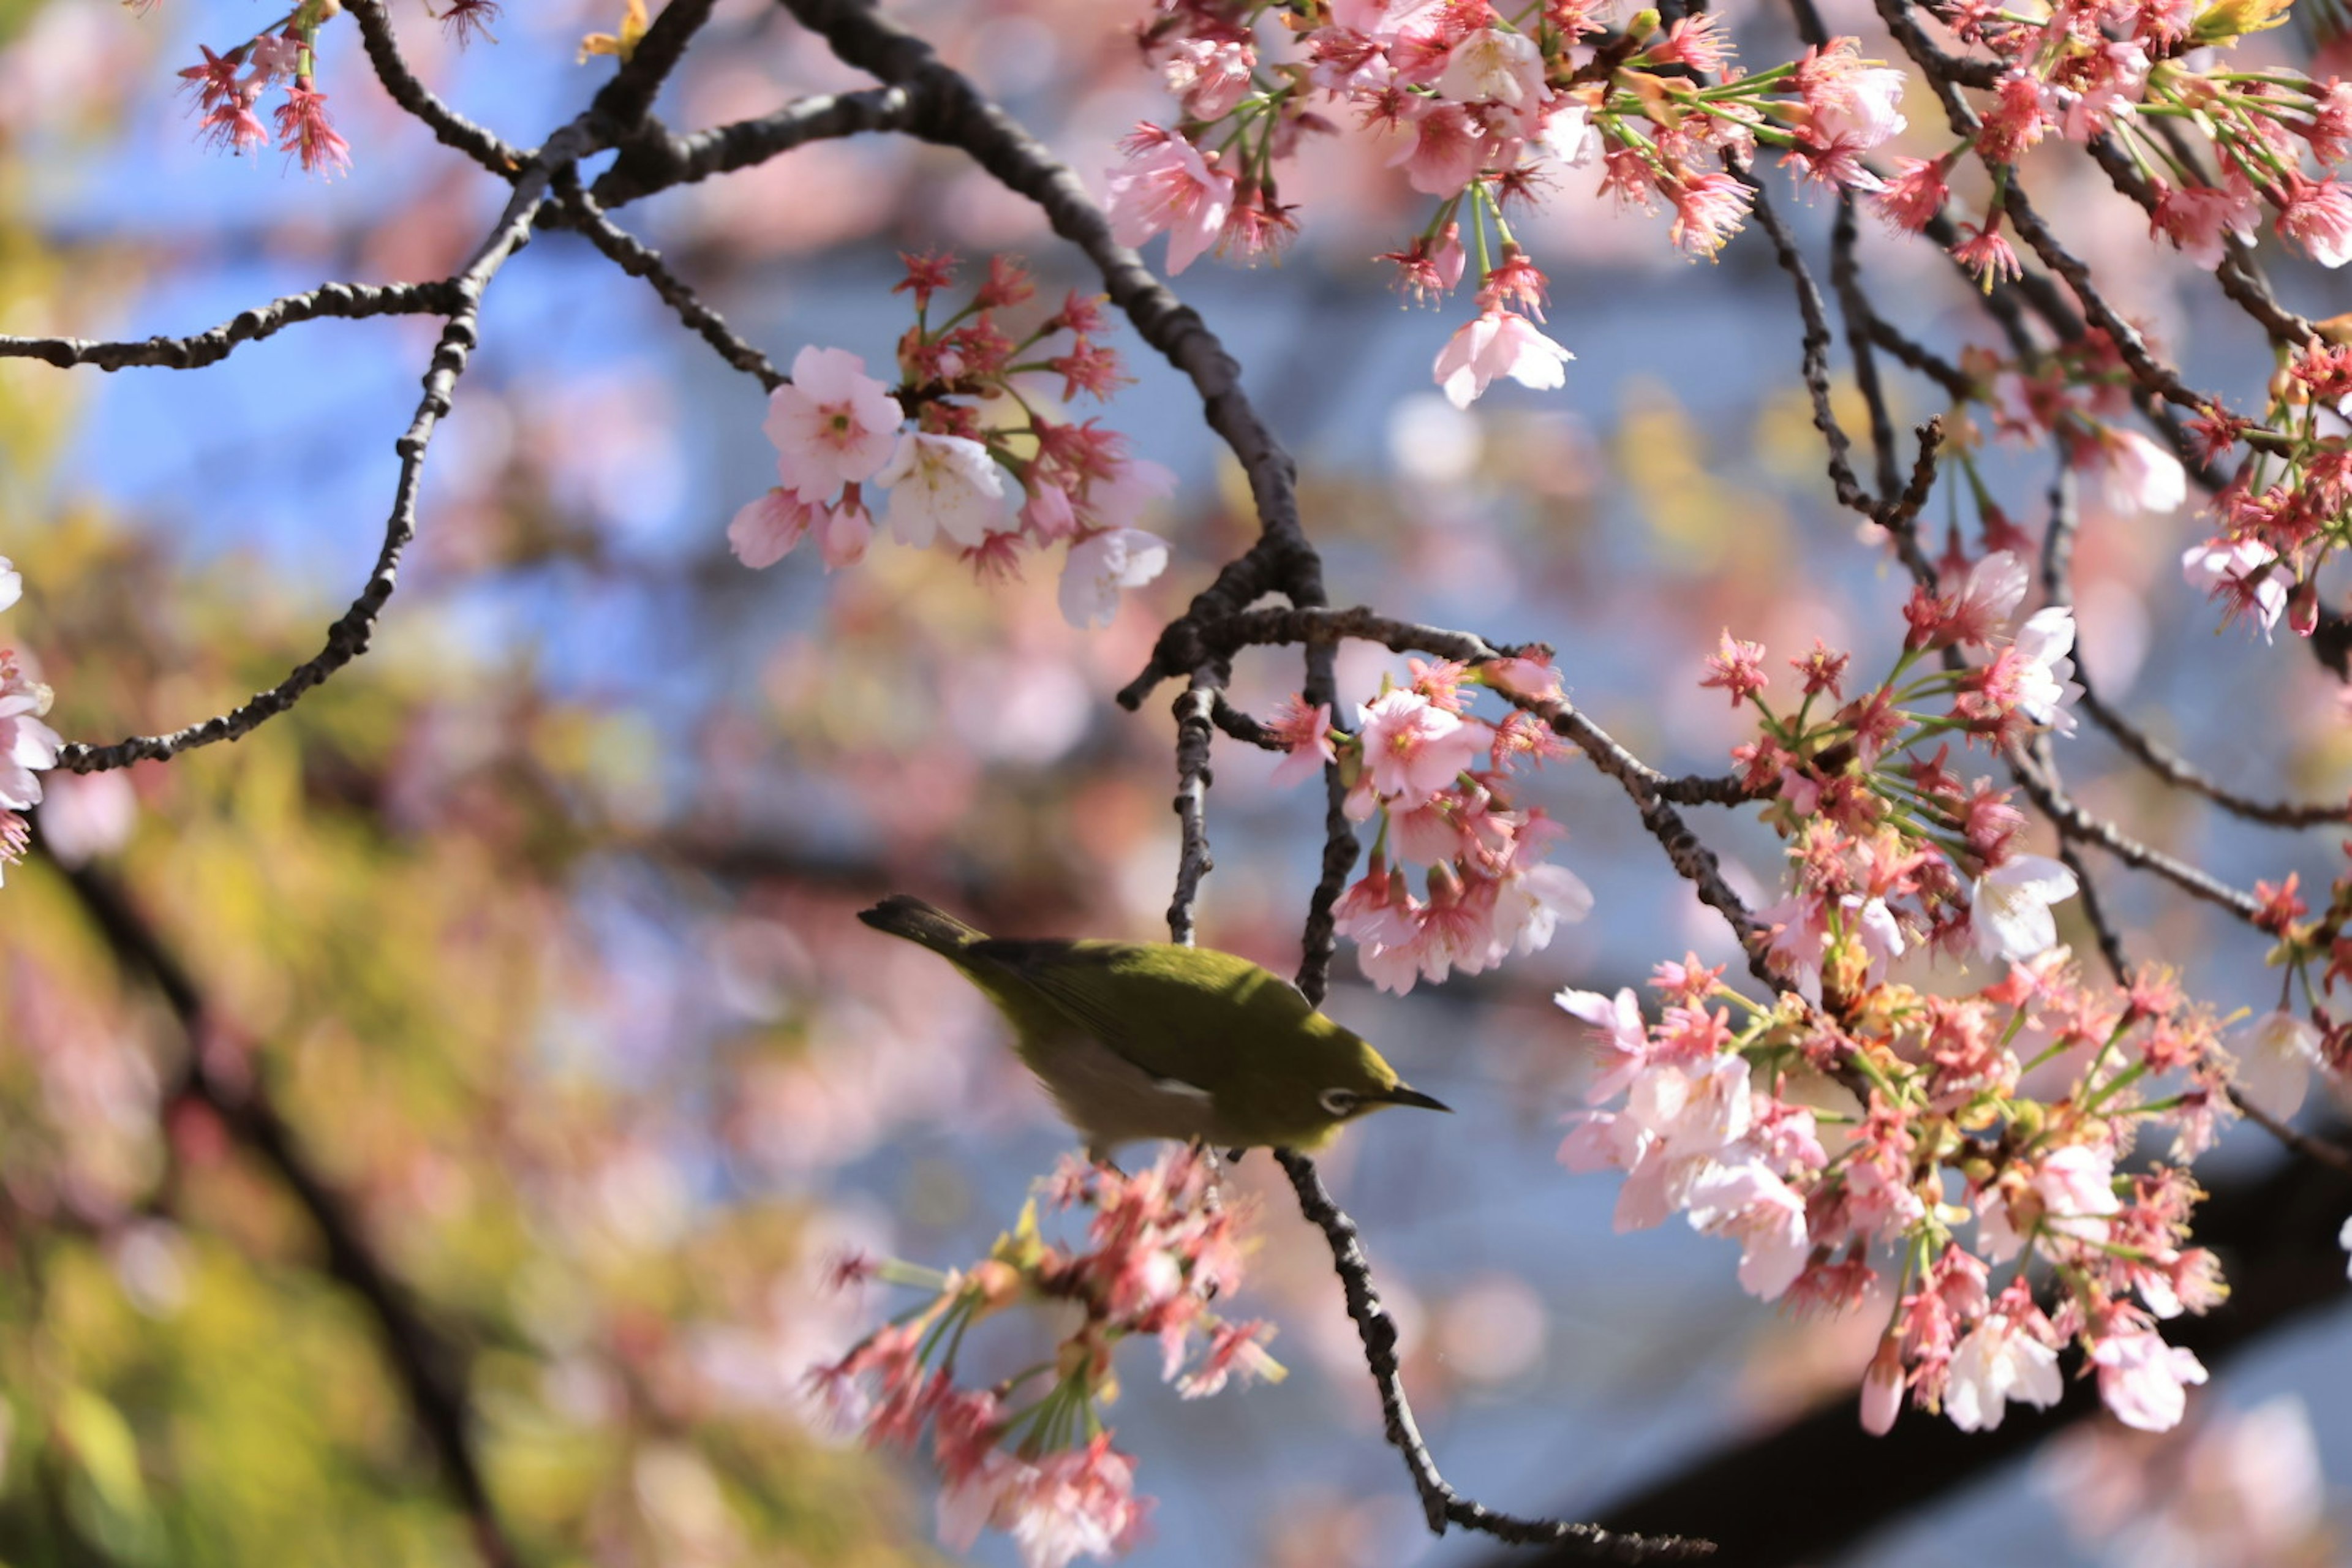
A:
(1182, 1014)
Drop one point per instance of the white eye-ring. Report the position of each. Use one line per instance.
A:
(1339, 1102)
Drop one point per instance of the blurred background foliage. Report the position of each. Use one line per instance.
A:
(534, 926)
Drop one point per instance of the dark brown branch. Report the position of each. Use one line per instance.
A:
(581, 214)
(347, 638)
(624, 100)
(1816, 351)
(427, 1367)
(654, 160)
(346, 302)
(1440, 1505)
(450, 128)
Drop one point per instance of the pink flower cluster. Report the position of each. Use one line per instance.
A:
(1829, 1147)
(837, 430)
(228, 88)
(1438, 777)
(1483, 111)
(2090, 69)
(2282, 513)
(1890, 851)
(1161, 1247)
(27, 746)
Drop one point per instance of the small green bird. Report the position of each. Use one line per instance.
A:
(1147, 1039)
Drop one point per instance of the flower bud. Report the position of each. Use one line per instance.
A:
(1882, 1388)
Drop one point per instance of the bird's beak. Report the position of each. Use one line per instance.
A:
(1403, 1094)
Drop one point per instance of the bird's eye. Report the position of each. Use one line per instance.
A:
(1339, 1102)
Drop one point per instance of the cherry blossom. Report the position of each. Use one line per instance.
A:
(943, 485)
(833, 424)
(2143, 1380)
(767, 529)
(1498, 342)
(1167, 186)
(2010, 906)
(1998, 1362)
(1102, 563)
(2274, 1056)
(1412, 747)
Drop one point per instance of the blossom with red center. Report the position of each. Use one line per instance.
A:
(1694, 41)
(1515, 280)
(1737, 668)
(1425, 272)
(1305, 734)
(2019, 118)
(1168, 186)
(1708, 210)
(2199, 219)
(832, 424)
(1986, 253)
(232, 124)
(1412, 748)
(304, 132)
(2241, 574)
(465, 20)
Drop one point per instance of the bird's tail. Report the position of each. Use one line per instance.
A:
(903, 914)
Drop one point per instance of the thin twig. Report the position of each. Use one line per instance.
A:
(2057, 556)
(450, 128)
(631, 255)
(653, 159)
(347, 638)
(1440, 1505)
(346, 302)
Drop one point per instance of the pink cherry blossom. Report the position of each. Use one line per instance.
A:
(1766, 1216)
(1210, 74)
(1413, 748)
(2143, 1380)
(2317, 218)
(1167, 186)
(1441, 150)
(2197, 218)
(1305, 734)
(833, 424)
(1618, 1039)
(1100, 564)
(1498, 342)
(766, 530)
(2141, 476)
(2233, 571)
